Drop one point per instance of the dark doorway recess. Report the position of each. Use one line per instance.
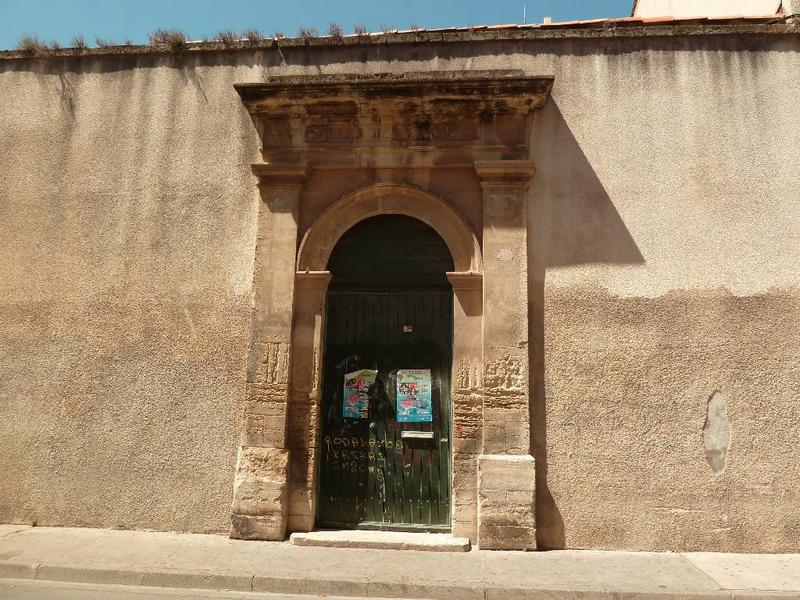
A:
(389, 316)
(390, 252)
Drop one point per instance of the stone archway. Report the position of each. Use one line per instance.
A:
(386, 130)
(383, 199)
(307, 339)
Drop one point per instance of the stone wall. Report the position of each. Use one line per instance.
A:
(663, 247)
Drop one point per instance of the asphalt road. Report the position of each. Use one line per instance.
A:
(17, 589)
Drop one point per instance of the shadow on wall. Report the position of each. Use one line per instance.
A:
(572, 221)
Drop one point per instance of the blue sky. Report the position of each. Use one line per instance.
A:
(119, 20)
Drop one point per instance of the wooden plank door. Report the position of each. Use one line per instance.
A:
(371, 474)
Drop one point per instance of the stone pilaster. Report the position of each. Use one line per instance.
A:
(506, 491)
(260, 503)
(466, 439)
(307, 348)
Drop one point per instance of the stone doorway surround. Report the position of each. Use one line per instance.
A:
(384, 129)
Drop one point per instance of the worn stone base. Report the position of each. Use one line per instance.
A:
(506, 502)
(270, 527)
(260, 496)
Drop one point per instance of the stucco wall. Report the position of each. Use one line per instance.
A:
(667, 234)
(664, 244)
(126, 234)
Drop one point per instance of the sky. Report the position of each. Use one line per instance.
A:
(132, 20)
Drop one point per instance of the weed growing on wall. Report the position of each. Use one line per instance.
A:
(78, 42)
(253, 36)
(103, 42)
(307, 33)
(30, 45)
(175, 39)
(361, 32)
(227, 37)
(335, 31)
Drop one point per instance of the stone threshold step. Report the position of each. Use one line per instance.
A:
(382, 540)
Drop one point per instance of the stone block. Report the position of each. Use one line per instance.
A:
(263, 430)
(266, 527)
(465, 505)
(491, 537)
(258, 497)
(465, 472)
(301, 467)
(507, 473)
(518, 440)
(494, 436)
(467, 445)
(466, 529)
(506, 502)
(270, 464)
(509, 516)
(301, 502)
(301, 424)
(300, 523)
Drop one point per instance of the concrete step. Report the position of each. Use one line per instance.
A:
(382, 540)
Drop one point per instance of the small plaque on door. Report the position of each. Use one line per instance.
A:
(408, 328)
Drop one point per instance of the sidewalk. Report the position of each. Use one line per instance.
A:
(216, 562)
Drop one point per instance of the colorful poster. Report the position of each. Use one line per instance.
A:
(356, 393)
(414, 401)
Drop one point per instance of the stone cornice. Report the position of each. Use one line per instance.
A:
(270, 175)
(415, 119)
(449, 84)
(466, 280)
(505, 172)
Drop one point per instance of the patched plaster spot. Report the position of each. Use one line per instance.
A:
(717, 433)
(505, 255)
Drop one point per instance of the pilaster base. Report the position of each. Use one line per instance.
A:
(260, 494)
(506, 502)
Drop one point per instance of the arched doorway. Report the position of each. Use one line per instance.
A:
(386, 404)
(310, 155)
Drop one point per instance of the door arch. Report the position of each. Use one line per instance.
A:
(308, 341)
(386, 402)
(383, 199)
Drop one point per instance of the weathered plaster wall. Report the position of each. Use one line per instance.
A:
(666, 248)
(126, 235)
(664, 244)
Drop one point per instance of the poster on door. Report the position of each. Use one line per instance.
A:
(356, 393)
(414, 401)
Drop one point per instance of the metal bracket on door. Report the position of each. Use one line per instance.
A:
(416, 435)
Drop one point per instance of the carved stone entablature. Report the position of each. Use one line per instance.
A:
(387, 120)
(340, 149)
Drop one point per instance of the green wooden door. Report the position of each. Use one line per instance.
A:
(372, 473)
(389, 311)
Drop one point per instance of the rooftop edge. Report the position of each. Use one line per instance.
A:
(625, 27)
